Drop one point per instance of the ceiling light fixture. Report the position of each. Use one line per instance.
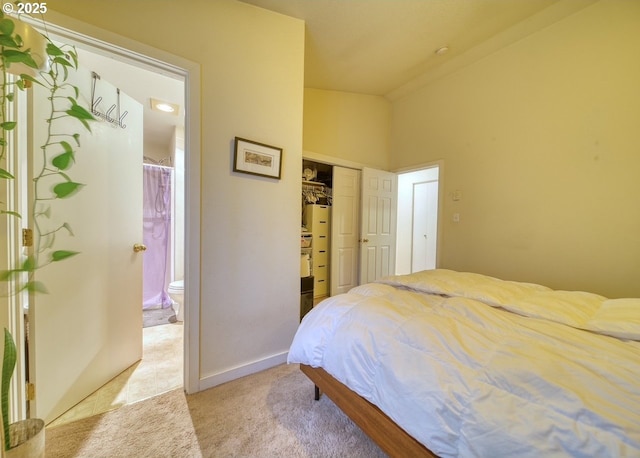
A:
(441, 51)
(165, 107)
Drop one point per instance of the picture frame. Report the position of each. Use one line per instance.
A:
(257, 158)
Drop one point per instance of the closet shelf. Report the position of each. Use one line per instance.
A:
(313, 183)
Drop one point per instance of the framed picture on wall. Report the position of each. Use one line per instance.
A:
(257, 158)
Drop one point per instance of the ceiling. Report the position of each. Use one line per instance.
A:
(376, 46)
(363, 46)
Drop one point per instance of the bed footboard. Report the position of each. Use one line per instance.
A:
(378, 426)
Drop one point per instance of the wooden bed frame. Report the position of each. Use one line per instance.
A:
(378, 426)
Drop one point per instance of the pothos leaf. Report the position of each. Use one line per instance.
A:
(29, 264)
(80, 113)
(53, 50)
(59, 255)
(66, 189)
(14, 56)
(6, 175)
(25, 77)
(63, 161)
(62, 61)
(66, 147)
(7, 26)
(8, 125)
(68, 228)
(8, 42)
(36, 287)
(16, 214)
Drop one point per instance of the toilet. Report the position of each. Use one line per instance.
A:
(176, 293)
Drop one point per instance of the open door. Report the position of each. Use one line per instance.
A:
(345, 229)
(378, 227)
(417, 224)
(424, 226)
(88, 328)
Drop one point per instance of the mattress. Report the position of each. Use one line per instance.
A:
(471, 365)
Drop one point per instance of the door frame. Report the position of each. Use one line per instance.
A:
(429, 165)
(337, 162)
(111, 45)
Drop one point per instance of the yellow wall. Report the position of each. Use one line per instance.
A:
(252, 68)
(354, 127)
(543, 140)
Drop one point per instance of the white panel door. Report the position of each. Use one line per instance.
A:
(425, 226)
(88, 328)
(378, 228)
(344, 229)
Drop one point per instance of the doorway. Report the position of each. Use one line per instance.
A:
(162, 171)
(189, 72)
(316, 214)
(417, 238)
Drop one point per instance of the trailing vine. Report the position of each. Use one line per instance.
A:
(52, 181)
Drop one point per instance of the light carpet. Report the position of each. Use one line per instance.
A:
(268, 414)
(158, 316)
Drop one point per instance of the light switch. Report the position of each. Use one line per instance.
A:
(457, 195)
(456, 217)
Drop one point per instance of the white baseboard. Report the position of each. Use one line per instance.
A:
(212, 380)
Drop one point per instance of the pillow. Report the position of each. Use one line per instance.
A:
(618, 318)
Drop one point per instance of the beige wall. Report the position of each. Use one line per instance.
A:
(543, 140)
(353, 127)
(252, 86)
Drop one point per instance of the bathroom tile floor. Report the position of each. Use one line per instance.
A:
(159, 371)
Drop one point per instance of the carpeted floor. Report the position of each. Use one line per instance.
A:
(156, 317)
(269, 414)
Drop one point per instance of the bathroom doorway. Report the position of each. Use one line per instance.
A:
(162, 366)
(138, 56)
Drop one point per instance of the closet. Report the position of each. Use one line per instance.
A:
(330, 230)
(315, 240)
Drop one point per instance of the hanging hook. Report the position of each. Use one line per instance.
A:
(95, 102)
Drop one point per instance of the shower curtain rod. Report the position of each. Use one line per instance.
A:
(157, 165)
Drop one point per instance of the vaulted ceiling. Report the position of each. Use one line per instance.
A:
(376, 46)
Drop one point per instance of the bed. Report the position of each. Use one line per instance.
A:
(445, 363)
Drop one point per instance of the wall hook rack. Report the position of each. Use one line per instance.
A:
(116, 118)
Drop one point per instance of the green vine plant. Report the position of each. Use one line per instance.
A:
(58, 151)
(52, 181)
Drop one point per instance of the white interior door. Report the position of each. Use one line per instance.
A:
(425, 226)
(344, 229)
(417, 224)
(88, 328)
(378, 228)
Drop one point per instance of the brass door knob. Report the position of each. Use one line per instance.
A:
(138, 247)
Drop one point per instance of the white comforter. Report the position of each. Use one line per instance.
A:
(441, 355)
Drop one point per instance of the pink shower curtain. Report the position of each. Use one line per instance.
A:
(156, 235)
